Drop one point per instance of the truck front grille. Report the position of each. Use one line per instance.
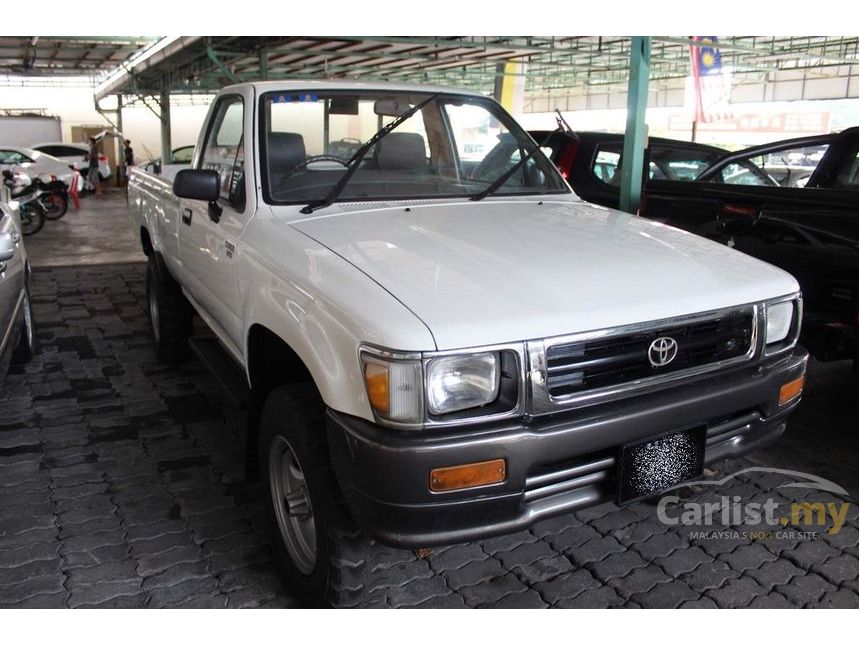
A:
(591, 364)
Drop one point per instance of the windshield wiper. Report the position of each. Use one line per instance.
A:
(355, 161)
(489, 190)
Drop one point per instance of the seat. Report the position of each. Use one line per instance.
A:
(403, 151)
(284, 150)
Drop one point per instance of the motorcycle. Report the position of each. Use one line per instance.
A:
(26, 191)
(54, 198)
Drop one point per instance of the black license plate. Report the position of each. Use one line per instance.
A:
(651, 466)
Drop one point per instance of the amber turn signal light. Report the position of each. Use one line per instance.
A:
(791, 390)
(376, 377)
(467, 475)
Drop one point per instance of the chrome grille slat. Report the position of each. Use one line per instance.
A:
(536, 481)
(597, 362)
(559, 377)
(565, 486)
(586, 365)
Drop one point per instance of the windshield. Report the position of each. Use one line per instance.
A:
(448, 148)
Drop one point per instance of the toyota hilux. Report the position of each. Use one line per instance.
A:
(439, 346)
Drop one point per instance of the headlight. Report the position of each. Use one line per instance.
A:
(461, 382)
(404, 390)
(394, 388)
(779, 318)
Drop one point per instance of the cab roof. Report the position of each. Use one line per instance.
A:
(322, 85)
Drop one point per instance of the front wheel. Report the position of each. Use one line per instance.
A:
(26, 348)
(55, 204)
(170, 315)
(32, 218)
(320, 551)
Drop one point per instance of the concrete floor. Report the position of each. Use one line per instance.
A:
(121, 483)
(98, 233)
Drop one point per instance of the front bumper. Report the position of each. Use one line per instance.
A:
(555, 463)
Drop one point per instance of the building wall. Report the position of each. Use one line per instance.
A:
(74, 106)
(787, 85)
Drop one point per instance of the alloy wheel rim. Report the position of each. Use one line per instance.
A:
(292, 505)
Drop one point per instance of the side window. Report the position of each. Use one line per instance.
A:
(686, 170)
(680, 163)
(224, 150)
(12, 157)
(790, 168)
(744, 173)
(606, 165)
(655, 172)
(183, 155)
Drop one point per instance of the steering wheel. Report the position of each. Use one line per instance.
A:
(313, 159)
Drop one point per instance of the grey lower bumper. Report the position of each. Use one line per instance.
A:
(555, 463)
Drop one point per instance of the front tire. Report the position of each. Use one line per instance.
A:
(56, 205)
(318, 548)
(170, 315)
(32, 218)
(26, 348)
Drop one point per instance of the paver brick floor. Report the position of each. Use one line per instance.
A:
(122, 485)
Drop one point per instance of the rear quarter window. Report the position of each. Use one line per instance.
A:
(605, 166)
(61, 151)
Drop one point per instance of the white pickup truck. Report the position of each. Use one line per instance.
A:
(439, 347)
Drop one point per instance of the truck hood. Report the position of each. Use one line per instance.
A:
(502, 270)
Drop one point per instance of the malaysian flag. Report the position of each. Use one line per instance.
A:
(712, 85)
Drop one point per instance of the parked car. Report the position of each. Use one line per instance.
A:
(17, 336)
(791, 176)
(809, 231)
(435, 352)
(591, 161)
(75, 153)
(35, 163)
(800, 156)
(181, 158)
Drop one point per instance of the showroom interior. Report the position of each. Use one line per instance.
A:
(134, 471)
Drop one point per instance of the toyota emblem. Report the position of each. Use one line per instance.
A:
(662, 351)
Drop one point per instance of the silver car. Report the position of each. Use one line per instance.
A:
(17, 337)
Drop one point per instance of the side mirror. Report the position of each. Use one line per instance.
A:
(197, 184)
(7, 247)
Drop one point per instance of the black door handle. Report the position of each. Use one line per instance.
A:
(186, 216)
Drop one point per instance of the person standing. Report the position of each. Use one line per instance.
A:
(93, 172)
(128, 154)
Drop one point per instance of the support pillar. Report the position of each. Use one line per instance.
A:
(166, 147)
(636, 131)
(120, 143)
(510, 86)
(264, 64)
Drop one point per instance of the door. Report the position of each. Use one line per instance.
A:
(209, 233)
